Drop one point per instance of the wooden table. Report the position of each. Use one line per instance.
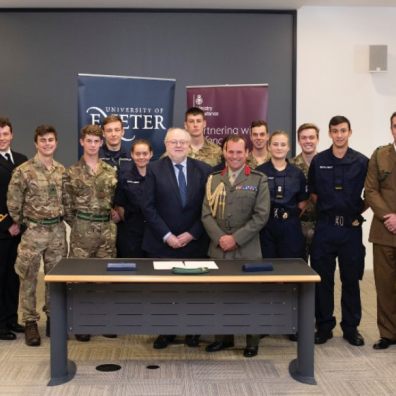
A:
(88, 299)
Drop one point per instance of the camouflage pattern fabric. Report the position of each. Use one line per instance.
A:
(91, 193)
(210, 153)
(35, 194)
(252, 162)
(38, 241)
(308, 219)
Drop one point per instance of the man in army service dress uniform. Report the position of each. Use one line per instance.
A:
(35, 199)
(380, 193)
(235, 208)
(88, 192)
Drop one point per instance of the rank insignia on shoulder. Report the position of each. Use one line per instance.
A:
(246, 188)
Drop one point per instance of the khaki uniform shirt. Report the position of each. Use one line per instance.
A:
(209, 153)
(244, 213)
(35, 192)
(380, 192)
(86, 191)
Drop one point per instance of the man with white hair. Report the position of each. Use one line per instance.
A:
(173, 195)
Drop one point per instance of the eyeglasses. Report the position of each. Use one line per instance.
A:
(177, 142)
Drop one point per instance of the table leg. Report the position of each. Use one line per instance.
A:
(302, 368)
(62, 370)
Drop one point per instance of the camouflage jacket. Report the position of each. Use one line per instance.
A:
(310, 211)
(209, 153)
(35, 192)
(86, 191)
(252, 162)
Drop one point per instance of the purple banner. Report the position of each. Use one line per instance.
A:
(229, 109)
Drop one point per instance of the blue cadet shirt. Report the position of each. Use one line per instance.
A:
(120, 160)
(287, 187)
(338, 182)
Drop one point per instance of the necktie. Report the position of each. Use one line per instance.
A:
(182, 184)
(8, 157)
(232, 178)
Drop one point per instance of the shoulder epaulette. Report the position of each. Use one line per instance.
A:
(384, 146)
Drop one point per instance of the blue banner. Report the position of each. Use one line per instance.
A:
(145, 106)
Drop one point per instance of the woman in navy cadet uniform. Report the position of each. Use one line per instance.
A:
(127, 201)
(282, 236)
(336, 179)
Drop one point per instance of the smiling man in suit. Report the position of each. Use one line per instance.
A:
(173, 195)
(10, 236)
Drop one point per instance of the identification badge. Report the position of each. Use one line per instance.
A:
(279, 192)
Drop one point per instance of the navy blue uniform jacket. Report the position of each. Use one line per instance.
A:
(6, 169)
(163, 210)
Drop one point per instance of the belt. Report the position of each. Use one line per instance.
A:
(283, 214)
(99, 218)
(48, 221)
(341, 220)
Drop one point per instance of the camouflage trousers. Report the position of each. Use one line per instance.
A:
(92, 239)
(47, 242)
(308, 230)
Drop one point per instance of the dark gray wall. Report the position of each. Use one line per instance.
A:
(42, 52)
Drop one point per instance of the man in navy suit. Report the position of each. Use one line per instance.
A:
(10, 236)
(173, 195)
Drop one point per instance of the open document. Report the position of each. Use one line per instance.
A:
(168, 265)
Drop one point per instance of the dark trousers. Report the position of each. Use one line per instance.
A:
(345, 243)
(252, 340)
(282, 239)
(9, 282)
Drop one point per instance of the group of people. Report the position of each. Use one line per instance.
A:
(199, 200)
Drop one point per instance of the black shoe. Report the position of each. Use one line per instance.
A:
(162, 341)
(321, 336)
(32, 335)
(354, 338)
(7, 335)
(48, 327)
(383, 343)
(192, 340)
(293, 337)
(250, 351)
(83, 337)
(16, 328)
(218, 346)
(110, 335)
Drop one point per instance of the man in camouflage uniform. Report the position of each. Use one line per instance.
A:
(35, 199)
(200, 148)
(380, 193)
(259, 137)
(88, 192)
(308, 139)
(235, 208)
